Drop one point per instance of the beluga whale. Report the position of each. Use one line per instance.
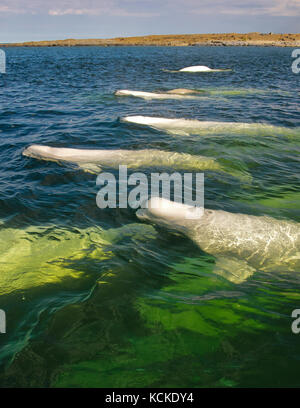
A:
(201, 68)
(36, 256)
(198, 69)
(242, 244)
(185, 91)
(179, 93)
(184, 127)
(92, 160)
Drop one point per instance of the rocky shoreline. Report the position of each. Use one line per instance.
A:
(230, 39)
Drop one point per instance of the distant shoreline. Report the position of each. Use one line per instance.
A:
(229, 39)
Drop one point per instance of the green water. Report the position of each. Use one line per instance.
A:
(96, 298)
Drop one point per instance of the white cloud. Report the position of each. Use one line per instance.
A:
(78, 12)
(101, 11)
(280, 8)
(123, 8)
(151, 8)
(8, 9)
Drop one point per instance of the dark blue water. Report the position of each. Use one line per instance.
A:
(95, 297)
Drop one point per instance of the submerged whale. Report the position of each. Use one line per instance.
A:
(193, 126)
(180, 93)
(45, 255)
(241, 243)
(92, 160)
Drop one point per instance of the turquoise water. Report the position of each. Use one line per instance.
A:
(96, 298)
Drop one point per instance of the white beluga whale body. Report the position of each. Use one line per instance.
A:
(193, 126)
(201, 68)
(241, 243)
(93, 160)
(185, 91)
(173, 94)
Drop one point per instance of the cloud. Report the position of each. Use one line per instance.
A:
(151, 8)
(286, 8)
(99, 12)
(279, 8)
(12, 10)
(60, 12)
(123, 8)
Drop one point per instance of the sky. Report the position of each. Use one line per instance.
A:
(34, 20)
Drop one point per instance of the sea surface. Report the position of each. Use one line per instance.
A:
(96, 298)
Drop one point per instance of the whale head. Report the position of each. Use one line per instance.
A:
(38, 151)
(170, 214)
(122, 92)
(143, 120)
(51, 153)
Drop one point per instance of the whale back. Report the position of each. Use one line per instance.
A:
(131, 158)
(185, 127)
(183, 91)
(196, 68)
(260, 241)
(174, 94)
